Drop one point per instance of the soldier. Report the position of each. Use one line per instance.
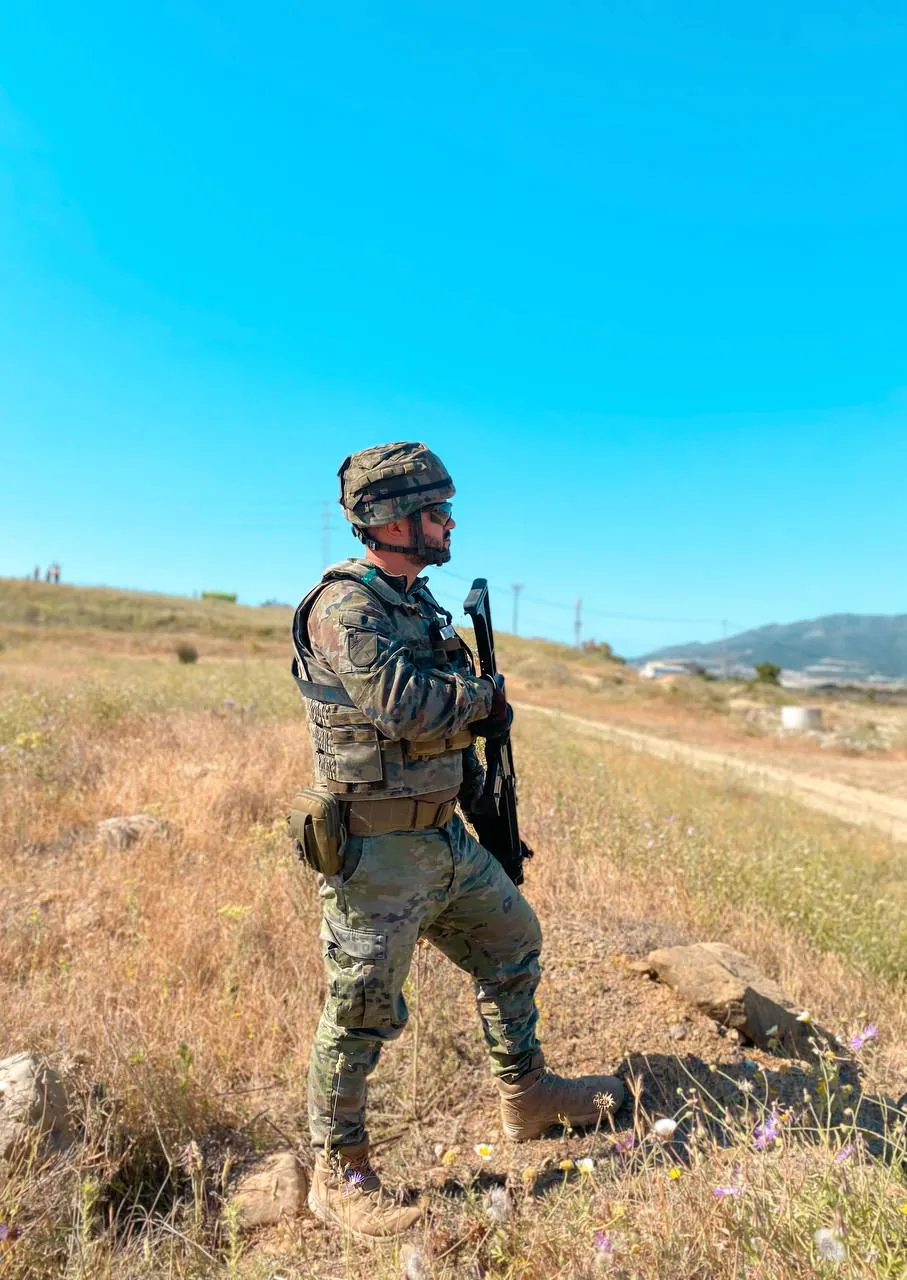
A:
(393, 706)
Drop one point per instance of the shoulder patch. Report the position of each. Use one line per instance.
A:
(362, 647)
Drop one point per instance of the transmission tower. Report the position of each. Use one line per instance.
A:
(325, 533)
(516, 588)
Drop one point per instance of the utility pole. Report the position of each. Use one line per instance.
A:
(516, 588)
(325, 533)
(578, 621)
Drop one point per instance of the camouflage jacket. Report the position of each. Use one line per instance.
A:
(389, 687)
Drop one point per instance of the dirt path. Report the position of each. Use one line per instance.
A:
(851, 804)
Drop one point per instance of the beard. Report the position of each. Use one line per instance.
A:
(438, 553)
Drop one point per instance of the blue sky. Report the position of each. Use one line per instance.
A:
(635, 270)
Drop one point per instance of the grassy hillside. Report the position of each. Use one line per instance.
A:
(41, 606)
(178, 983)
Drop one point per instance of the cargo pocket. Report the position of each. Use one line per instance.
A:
(356, 965)
(357, 754)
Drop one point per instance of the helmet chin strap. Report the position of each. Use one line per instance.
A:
(421, 551)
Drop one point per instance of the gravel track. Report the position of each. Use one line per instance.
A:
(856, 805)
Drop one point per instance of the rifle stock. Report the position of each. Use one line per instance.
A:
(495, 813)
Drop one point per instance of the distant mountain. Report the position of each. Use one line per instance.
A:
(875, 642)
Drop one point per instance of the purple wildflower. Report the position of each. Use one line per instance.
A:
(8, 1232)
(352, 1179)
(603, 1242)
(625, 1143)
(720, 1192)
(766, 1133)
(862, 1037)
(845, 1153)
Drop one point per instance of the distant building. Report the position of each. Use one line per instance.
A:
(660, 667)
(838, 673)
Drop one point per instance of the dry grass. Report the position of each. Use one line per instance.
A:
(179, 983)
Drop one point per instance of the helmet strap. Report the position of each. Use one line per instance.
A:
(419, 551)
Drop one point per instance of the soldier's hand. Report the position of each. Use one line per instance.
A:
(499, 719)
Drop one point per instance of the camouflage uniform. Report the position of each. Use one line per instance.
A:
(395, 696)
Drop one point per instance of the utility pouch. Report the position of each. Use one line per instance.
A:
(431, 748)
(317, 827)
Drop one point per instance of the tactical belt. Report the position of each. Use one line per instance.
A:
(408, 813)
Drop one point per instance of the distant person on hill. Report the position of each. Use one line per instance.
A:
(36, 572)
(49, 573)
(394, 708)
(56, 568)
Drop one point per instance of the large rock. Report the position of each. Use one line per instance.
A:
(33, 1104)
(727, 986)
(273, 1188)
(120, 833)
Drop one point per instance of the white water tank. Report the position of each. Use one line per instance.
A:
(801, 719)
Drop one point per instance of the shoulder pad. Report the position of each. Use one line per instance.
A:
(366, 574)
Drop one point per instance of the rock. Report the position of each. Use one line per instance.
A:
(120, 833)
(641, 967)
(273, 1188)
(33, 1103)
(727, 986)
(677, 1031)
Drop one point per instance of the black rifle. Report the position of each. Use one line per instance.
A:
(494, 814)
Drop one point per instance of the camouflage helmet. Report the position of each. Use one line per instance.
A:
(391, 481)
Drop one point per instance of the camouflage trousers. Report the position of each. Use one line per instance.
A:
(394, 889)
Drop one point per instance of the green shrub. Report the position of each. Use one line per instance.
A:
(767, 672)
(187, 652)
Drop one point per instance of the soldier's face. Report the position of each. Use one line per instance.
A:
(437, 525)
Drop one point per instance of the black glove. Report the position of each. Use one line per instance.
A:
(499, 719)
(470, 792)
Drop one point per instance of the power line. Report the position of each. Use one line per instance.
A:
(605, 613)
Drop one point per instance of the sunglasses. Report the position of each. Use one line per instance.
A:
(439, 512)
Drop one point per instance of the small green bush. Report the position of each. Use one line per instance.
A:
(187, 652)
(767, 672)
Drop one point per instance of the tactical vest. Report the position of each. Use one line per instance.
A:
(351, 756)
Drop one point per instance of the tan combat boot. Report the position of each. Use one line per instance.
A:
(540, 1099)
(346, 1190)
